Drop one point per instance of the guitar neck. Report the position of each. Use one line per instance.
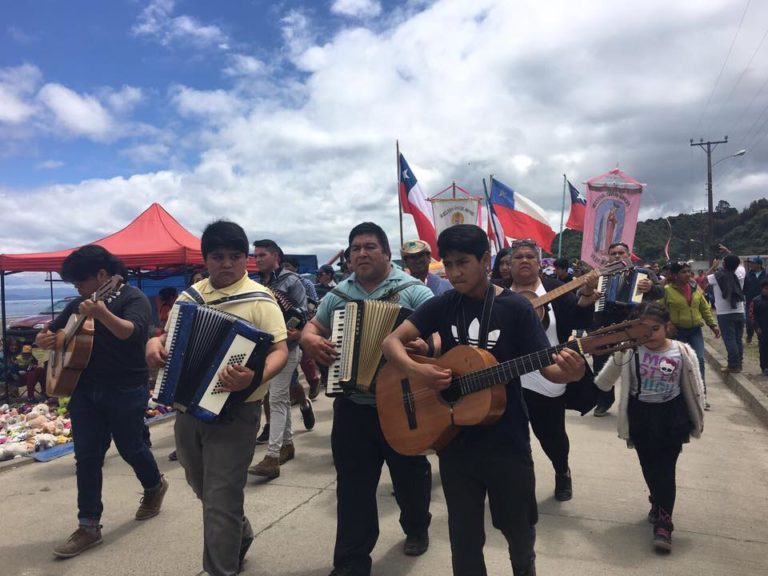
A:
(555, 293)
(506, 371)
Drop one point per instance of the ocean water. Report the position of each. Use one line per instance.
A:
(22, 308)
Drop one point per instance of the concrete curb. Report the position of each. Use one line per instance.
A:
(26, 460)
(753, 397)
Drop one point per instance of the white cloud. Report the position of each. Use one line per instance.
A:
(157, 22)
(356, 8)
(243, 65)
(208, 105)
(525, 90)
(79, 115)
(123, 100)
(17, 84)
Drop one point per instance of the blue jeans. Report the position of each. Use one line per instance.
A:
(695, 338)
(100, 412)
(732, 330)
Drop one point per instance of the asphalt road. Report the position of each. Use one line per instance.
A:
(721, 514)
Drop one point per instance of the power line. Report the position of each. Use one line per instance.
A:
(738, 81)
(717, 81)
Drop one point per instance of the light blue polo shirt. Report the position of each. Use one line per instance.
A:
(411, 297)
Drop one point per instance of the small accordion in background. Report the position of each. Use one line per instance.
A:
(621, 289)
(201, 342)
(358, 331)
(295, 317)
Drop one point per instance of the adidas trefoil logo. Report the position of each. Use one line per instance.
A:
(474, 334)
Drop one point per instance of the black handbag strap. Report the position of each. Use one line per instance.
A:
(485, 321)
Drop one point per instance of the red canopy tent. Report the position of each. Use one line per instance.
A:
(153, 240)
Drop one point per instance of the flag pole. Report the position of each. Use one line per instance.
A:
(490, 215)
(562, 213)
(399, 199)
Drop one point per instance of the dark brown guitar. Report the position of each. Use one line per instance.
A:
(416, 418)
(74, 344)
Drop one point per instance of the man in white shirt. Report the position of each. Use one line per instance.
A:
(728, 284)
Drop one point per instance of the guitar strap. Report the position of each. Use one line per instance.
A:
(485, 321)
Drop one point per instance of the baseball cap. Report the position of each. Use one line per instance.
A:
(414, 247)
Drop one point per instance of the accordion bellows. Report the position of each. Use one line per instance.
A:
(201, 342)
(358, 331)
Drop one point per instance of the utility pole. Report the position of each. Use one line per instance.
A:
(708, 147)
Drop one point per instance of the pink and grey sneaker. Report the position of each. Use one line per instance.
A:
(662, 531)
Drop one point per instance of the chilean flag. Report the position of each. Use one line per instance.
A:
(520, 217)
(578, 208)
(414, 202)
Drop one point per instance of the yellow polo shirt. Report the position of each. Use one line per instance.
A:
(264, 314)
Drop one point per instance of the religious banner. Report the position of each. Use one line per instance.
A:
(451, 211)
(613, 203)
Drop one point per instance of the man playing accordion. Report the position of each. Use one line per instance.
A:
(215, 456)
(358, 445)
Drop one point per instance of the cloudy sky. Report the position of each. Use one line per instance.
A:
(283, 115)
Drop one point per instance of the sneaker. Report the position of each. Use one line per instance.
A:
(314, 389)
(268, 468)
(150, 504)
(287, 452)
(662, 539)
(172, 456)
(563, 487)
(707, 405)
(263, 438)
(79, 541)
(308, 415)
(416, 545)
(600, 411)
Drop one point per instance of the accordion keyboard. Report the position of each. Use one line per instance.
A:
(334, 370)
(602, 287)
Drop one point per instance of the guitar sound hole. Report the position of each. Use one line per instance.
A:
(452, 394)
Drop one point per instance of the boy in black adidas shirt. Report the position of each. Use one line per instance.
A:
(497, 458)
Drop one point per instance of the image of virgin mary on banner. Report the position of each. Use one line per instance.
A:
(613, 203)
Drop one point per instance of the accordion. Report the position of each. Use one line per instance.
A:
(201, 342)
(357, 331)
(621, 289)
(294, 317)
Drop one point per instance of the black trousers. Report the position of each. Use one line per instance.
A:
(658, 459)
(762, 341)
(547, 417)
(469, 472)
(359, 450)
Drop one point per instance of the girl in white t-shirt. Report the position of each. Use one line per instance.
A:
(661, 407)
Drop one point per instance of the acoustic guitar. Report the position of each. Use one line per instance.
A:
(416, 418)
(74, 344)
(539, 302)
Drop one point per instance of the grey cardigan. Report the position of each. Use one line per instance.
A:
(691, 386)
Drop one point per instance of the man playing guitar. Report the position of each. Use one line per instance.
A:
(111, 395)
(494, 459)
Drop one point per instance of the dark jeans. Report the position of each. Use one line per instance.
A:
(101, 412)
(732, 330)
(547, 417)
(658, 459)
(762, 340)
(359, 451)
(694, 337)
(605, 398)
(750, 328)
(468, 472)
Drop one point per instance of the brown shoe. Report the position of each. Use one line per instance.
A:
(269, 468)
(150, 504)
(287, 452)
(80, 540)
